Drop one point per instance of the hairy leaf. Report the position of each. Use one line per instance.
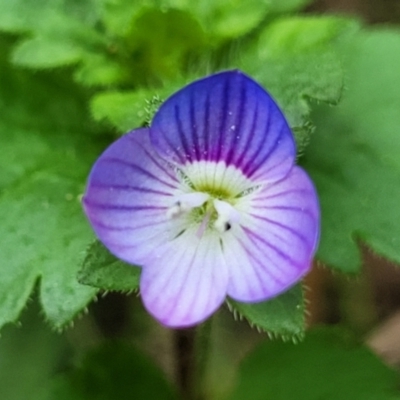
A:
(281, 317)
(353, 158)
(130, 110)
(102, 270)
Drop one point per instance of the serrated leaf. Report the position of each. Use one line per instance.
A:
(282, 316)
(43, 229)
(353, 158)
(326, 365)
(113, 371)
(104, 271)
(43, 233)
(295, 60)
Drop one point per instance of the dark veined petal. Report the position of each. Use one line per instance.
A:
(185, 280)
(128, 193)
(273, 246)
(225, 117)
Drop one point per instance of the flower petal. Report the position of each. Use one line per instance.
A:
(128, 194)
(185, 280)
(225, 117)
(274, 245)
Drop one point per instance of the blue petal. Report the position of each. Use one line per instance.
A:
(186, 279)
(225, 117)
(128, 193)
(274, 246)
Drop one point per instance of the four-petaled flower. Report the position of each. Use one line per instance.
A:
(207, 200)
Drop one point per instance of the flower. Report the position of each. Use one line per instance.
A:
(207, 200)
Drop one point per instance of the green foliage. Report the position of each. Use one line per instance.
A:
(30, 353)
(285, 6)
(102, 270)
(113, 371)
(43, 53)
(327, 365)
(281, 317)
(229, 19)
(119, 44)
(117, 15)
(141, 53)
(58, 35)
(46, 162)
(295, 60)
(353, 158)
(128, 110)
(160, 40)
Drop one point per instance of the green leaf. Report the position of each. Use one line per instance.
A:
(327, 365)
(227, 19)
(43, 52)
(20, 16)
(117, 15)
(231, 19)
(113, 371)
(124, 110)
(162, 43)
(295, 35)
(294, 60)
(353, 158)
(62, 33)
(104, 271)
(281, 317)
(100, 70)
(43, 229)
(43, 233)
(129, 110)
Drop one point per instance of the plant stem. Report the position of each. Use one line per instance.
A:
(192, 348)
(184, 343)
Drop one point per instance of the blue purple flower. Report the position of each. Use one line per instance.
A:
(207, 200)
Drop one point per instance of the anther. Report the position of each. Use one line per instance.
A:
(186, 202)
(226, 216)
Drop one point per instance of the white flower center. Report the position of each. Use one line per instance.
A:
(208, 194)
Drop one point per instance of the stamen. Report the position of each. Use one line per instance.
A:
(226, 216)
(186, 202)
